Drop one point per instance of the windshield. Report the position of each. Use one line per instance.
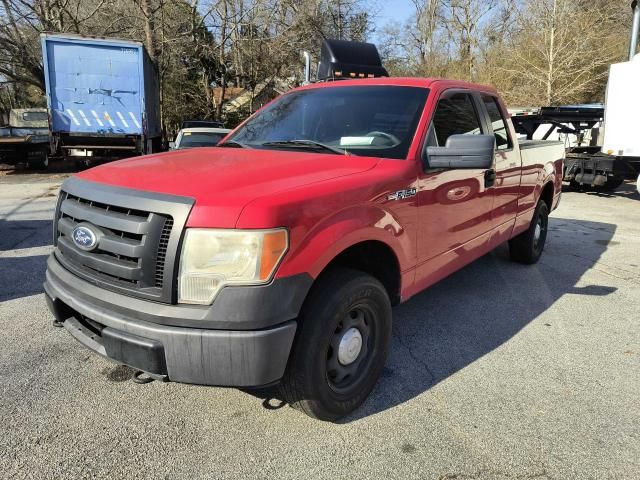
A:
(200, 139)
(377, 121)
(34, 116)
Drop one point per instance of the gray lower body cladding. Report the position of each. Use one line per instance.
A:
(139, 333)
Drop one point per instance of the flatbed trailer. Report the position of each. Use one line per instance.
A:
(585, 165)
(26, 139)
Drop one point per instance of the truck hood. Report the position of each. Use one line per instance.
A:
(223, 180)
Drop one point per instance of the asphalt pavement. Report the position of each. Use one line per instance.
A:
(500, 371)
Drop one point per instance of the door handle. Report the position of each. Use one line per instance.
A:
(489, 178)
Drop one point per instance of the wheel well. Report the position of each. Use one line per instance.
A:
(375, 258)
(547, 195)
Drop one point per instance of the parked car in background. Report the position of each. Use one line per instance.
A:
(26, 138)
(202, 123)
(276, 257)
(198, 137)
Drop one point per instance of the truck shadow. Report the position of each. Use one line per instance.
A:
(18, 234)
(627, 190)
(22, 273)
(479, 308)
(21, 276)
(55, 167)
(476, 310)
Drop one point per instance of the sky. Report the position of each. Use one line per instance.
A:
(391, 10)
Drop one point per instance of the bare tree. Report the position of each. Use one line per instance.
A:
(427, 20)
(562, 51)
(463, 19)
(535, 51)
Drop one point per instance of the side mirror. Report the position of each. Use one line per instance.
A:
(463, 151)
(172, 145)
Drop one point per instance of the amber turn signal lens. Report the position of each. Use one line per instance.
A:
(274, 245)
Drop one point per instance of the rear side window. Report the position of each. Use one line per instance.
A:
(454, 115)
(503, 141)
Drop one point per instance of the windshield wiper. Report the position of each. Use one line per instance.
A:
(233, 144)
(305, 144)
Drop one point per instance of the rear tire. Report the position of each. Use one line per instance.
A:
(611, 184)
(341, 345)
(528, 246)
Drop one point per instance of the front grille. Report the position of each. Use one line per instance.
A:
(136, 247)
(132, 244)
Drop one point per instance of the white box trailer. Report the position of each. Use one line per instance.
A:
(621, 113)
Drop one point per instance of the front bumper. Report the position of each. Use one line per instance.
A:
(162, 341)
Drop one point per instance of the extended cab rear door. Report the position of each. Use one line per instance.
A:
(508, 166)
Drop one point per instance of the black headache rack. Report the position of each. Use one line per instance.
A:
(584, 165)
(343, 60)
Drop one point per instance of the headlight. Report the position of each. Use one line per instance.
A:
(212, 259)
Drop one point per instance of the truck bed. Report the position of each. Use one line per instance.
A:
(524, 144)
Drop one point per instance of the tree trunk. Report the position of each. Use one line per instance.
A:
(222, 59)
(550, 66)
(149, 29)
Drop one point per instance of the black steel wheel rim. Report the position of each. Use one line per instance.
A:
(340, 376)
(540, 233)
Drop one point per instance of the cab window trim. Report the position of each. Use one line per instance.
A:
(494, 98)
(481, 116)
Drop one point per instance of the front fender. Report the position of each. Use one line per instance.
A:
(333, 235)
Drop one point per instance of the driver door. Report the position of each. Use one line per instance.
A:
(454, 213)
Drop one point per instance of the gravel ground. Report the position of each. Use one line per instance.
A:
(500, 371)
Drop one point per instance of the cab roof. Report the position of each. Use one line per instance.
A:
(403, 82)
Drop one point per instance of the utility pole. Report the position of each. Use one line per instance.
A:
(633, 47)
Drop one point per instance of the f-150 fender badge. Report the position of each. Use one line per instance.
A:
(402, 194)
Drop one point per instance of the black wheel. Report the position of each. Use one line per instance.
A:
(80, 163)
(611, 184)
(575, 185)
(341, 345)
(528, 246)
(40, 164)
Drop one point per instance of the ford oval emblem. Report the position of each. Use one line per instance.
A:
(84, 238)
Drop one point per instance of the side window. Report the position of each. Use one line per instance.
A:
(454, 115)
(500, 130)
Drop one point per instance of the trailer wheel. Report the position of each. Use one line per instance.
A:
(340, 347)
(611, 184)
(40, 164)
(528, 246)
(575, 185)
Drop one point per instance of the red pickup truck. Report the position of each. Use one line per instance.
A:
(277, 257)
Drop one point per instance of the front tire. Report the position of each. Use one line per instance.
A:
(528, 246)
(341, 345)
